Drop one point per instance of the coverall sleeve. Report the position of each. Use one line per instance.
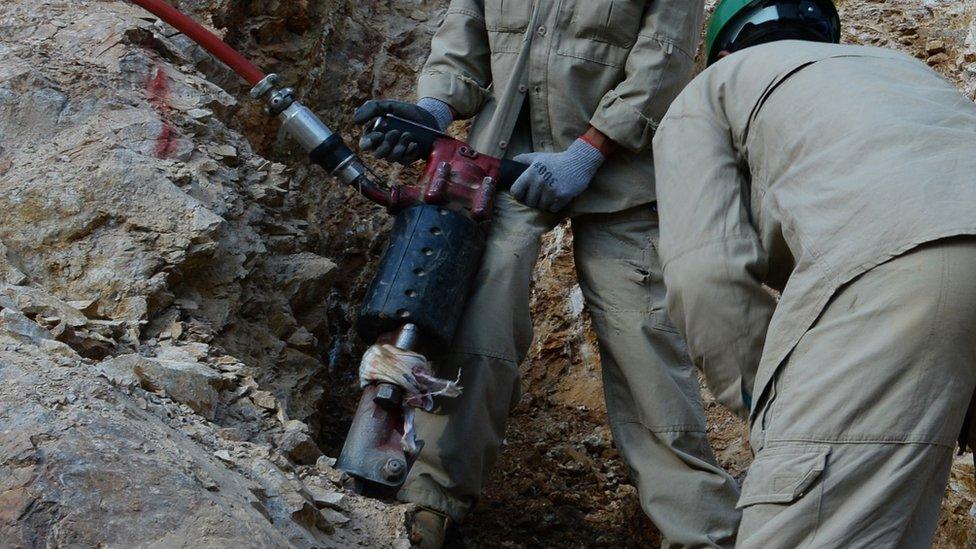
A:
(458, 70)
(660, 63)
(714, 262)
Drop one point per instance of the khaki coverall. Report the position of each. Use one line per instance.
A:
(536, 75)
(842, 176)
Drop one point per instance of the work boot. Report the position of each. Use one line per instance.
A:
(428, 529)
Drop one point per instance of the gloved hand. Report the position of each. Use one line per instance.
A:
(553, 180)
(392, 145)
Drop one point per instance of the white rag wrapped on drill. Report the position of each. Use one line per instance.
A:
(384, 363)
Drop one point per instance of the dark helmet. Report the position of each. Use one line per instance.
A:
(738, 24)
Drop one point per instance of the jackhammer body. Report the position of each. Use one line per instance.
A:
(421, 286)
(422, 282)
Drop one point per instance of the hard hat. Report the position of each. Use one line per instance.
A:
(753, 22)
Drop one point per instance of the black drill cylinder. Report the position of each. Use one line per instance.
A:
(425, 274)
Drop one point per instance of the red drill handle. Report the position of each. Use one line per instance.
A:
(429, 140)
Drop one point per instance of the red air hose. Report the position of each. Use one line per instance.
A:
(354, 174)
(205, 38)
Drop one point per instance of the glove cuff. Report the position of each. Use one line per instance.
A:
(585, 157)
(441, 111)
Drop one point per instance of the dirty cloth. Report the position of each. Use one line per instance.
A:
(834, 472)
(651, 388)
(384, 363)
(409, 370)
(612, 64)
(804, 166)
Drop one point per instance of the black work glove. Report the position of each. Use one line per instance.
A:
(396, 146)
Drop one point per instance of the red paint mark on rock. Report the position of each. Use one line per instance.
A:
(158, 90)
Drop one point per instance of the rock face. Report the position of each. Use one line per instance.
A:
(190, 383)
(86, 463)
(178, 286)
(161, 306)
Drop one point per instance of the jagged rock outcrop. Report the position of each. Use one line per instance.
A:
(162, 315)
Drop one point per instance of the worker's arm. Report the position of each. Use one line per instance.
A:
(458, 71)
(714, 262)
(659, 65)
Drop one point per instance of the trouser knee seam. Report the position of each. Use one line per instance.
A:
(860, 441)
(687, 428)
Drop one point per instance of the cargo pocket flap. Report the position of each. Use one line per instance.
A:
(783, 475)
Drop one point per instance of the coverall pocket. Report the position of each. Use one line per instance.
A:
(507, 15)
(612, 21)
(603, 31)
(783, 474)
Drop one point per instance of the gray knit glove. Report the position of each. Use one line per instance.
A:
(553, 180)
(393, 145)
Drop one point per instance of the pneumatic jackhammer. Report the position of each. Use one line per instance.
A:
(419, 291)
(420, 288)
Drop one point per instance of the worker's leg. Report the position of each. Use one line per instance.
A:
(463, 437)
(856, 436)
(651, 387)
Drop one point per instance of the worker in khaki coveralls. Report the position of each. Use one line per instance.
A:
(580, 85)
(845, 178)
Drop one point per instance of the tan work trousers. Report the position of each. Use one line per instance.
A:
(651, 389)
(856, 439)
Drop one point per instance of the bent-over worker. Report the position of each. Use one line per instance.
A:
(845, 178)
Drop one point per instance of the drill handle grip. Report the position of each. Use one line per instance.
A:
(426, 137)
(509, 171)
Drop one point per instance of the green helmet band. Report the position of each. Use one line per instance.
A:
(740, 23)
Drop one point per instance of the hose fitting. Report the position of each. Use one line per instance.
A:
(267, 84)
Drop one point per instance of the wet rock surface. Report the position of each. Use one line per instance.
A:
(178, 287)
